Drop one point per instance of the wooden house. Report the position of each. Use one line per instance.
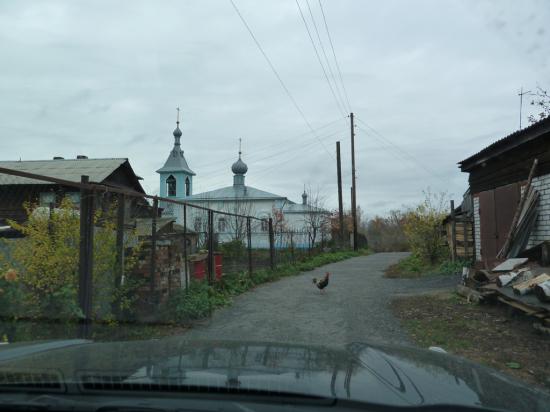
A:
(497, 176)
(16, 190)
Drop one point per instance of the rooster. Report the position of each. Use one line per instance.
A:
(322, 283)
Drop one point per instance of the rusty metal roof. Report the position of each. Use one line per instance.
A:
(509, 142)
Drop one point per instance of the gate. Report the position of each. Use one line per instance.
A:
(496, 211)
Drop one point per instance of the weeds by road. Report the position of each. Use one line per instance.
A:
(485, 334)
(414, 267)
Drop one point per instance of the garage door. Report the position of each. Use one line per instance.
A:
(496, 211)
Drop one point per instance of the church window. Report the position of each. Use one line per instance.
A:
(265, 225)
(187, 187)
(171, 185)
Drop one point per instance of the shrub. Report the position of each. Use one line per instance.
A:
(386, 234)
(46, 262)
(233, 249)
(423, 228)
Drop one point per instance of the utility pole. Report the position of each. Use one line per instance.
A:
(353, 183)
(340, 201)
(520, 94)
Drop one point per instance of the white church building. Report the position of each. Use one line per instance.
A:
(292, 221)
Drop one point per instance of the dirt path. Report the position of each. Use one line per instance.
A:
(355, 307)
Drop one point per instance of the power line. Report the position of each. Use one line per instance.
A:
(222, 170)
(334, 55)
(276, 144)
(283, 85)
(340, 99)
(399, 153)
(342, 111)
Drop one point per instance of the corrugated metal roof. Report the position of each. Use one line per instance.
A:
(508, 142)
(235, 192)
(67, 169)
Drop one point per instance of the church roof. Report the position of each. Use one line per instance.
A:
(235, 192)
(176, 161)
(301, 208)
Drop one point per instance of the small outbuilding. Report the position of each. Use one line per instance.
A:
(498, 176)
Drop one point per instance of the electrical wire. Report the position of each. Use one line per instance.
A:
(398, 152)
(276, 73)
(223, 170)
(342, 111)
(277, 142)
(340, 98)
(334, 55)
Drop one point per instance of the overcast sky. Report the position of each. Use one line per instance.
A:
(438, 80)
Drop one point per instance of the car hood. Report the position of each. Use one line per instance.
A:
(400, 376)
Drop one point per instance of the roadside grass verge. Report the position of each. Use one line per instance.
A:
(483, 333)
(414, 267)
(200, 299)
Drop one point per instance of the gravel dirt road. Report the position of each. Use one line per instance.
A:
(355, 306)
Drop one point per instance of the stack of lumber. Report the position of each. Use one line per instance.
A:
(516, 282)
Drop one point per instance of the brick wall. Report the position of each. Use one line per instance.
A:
(169, 269)
(477, 228)
(541, 231)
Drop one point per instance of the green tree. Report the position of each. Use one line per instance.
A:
(45, 262)
(423, 227)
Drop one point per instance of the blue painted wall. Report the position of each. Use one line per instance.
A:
(180, 184)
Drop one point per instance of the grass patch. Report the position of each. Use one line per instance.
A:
(483, 333)
(414, 267)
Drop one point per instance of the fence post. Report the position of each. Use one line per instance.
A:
(86, 259)
(119, 264)
(292, 246)
(249, 244)
(210, 245)
(271, 245)
(120, 240)
(185, 246)
(153, 265)
(453, 231)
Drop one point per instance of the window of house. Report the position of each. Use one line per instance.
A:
(74, 197)
(46, 198)
(221, 224)
(187, 187)
(265, 225)
(171, 185)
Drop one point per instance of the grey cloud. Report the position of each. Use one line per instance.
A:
(104, 78)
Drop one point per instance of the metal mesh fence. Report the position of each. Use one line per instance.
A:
(85, 253)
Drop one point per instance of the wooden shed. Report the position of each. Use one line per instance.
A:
(497, 178)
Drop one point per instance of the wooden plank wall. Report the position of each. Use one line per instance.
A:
(465, 247)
